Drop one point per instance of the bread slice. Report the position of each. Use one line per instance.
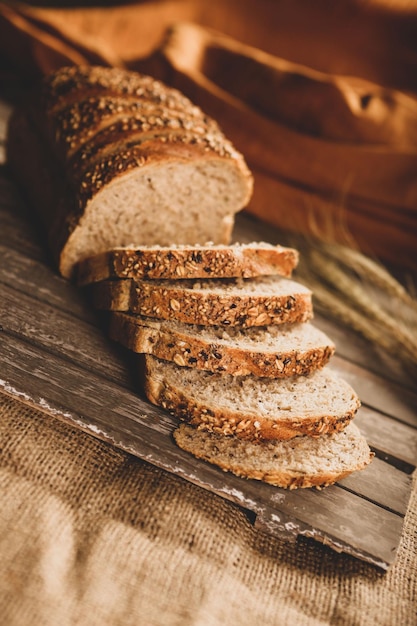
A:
(241, 302)
(172, 178)
(301, 462)
(272, 351)
(190, 262)
(251, 407)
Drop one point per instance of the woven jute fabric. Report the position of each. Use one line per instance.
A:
(91, 536)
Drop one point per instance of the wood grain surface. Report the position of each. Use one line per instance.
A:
(55, 356)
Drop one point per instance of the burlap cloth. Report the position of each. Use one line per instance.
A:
(90, 535)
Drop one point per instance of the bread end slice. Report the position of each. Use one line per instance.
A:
(299, 463)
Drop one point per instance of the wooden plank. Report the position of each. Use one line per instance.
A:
(334, 515)
(382, 484)
(374, 391)
(59, 333)
(352, 347)
(394, 441)
(336, 518)
(29, 276)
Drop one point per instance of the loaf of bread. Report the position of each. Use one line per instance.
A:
(214, 302)
(251, 407)
(300, 462)
(271, 351)
(177, 262)
(111, 158)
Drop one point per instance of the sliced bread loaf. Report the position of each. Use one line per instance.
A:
(189, 262)
(243, 302)
(251, 407)
(172, 177)
(272, 351)
(301, 462)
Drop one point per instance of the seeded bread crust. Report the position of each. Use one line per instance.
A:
(189, 262)
(208, 303)
(83, 121)
(188, 345)
(269, 463)
(75, 83)
(210, 414)
(127, 133)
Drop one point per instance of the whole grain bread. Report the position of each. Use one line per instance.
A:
(300, 462)
(243, 302)
(161, 172)
(251, 407)
(177, 262)
(272, 351)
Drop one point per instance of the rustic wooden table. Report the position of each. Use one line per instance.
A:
(56, 357)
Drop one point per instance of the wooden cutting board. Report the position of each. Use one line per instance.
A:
(56, 357)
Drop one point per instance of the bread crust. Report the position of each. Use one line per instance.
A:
(133, 132)
(150, 337)
(225, 422)
(99, 119)
(249, 427)
(220, 310)
(179, 302)
(75, 83)
(188, 262)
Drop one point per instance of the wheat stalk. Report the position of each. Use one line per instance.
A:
(372, 270)
(341, 280)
